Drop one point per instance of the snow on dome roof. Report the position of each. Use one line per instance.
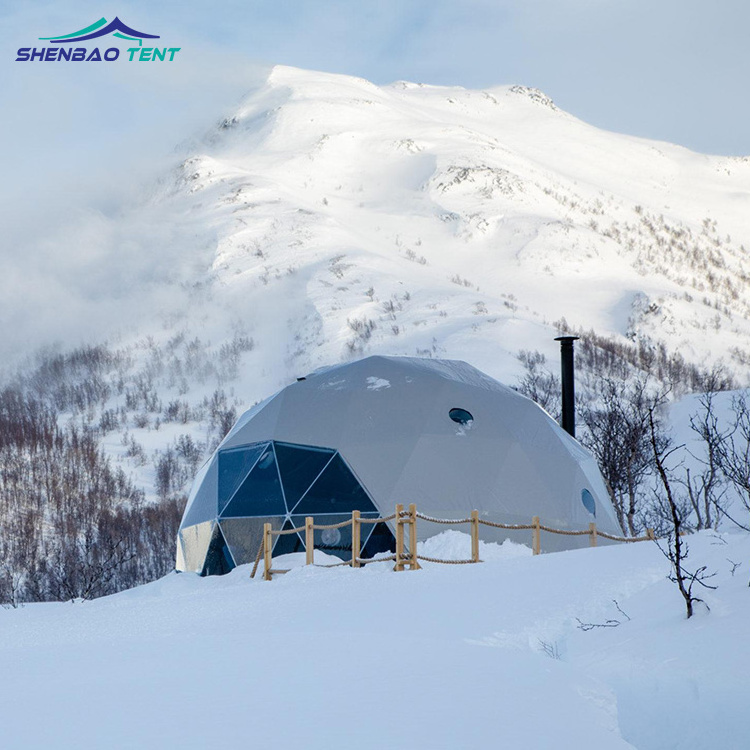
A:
(450, 369)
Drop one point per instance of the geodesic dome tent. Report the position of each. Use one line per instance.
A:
(379, 431)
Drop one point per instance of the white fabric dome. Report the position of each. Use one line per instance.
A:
(379, 431)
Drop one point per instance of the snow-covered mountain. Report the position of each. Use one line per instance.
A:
(409, 219)
(328, 218)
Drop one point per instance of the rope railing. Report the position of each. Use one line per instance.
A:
(406, 523)
(446, 562)
(282, 532)
(333, 525)
(378, 520)
(512, 526)
(385, 558)
(257, 558)
(443, 520)
(648, 538)
(564, 532)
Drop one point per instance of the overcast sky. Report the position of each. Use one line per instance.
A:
(675, 70)
(79, 138)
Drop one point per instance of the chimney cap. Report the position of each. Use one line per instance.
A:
(567, 338)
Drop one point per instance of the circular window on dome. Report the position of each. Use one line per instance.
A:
(588, 501)
(461, 416)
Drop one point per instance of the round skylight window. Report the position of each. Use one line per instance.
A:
(461, 416)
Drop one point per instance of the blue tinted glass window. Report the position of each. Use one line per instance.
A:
(218, 558)
(244, 535)
(299, 467)
(336, 541)
(380, 540)
(260, 494)
(233, 468)
(588, 501)
(288, 543)
(336, 490)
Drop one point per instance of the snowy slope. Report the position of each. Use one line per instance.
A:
(448, 657)
(348, 217)
(328, 217)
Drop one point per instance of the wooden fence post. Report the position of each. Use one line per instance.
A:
(267, 547)
(399, 538)
(592, 534)
(356, 538)
(414, 564)
(536, 536)
(309, 540)
(475, 536)
(650, 534)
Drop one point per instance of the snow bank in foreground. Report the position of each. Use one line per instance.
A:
(456, 545)
(448, 545)
(447, 657)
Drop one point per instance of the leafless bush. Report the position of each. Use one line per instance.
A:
(539, 384)
(362, 329)
(675, 548)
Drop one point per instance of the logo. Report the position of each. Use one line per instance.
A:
(97, 29)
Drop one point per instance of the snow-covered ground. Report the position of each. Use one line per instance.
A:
(451, 657)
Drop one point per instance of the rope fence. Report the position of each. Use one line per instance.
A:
(406, 556)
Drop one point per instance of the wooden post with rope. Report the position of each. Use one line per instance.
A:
(475, 536)
(536, 536)
(267, 547)
(309, 540)
(414, 563)
(592, 534)
(399, 538)
(356, 538)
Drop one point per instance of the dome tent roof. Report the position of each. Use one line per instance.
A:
(390, 419)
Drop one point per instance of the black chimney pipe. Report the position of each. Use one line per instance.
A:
(568, 384)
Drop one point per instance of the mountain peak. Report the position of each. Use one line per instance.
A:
(447, 201)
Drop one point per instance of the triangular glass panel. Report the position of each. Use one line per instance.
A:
(234, 466)
(202, 504)
(180, 556)
(260, 494)
(366, 530)
(244, 536)
(195, 542)
(218, 558)
(381, 540)
(336, 490)
(299, 467)
(336, 541)
(288, 543)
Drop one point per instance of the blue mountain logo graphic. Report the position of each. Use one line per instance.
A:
(101, 28)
